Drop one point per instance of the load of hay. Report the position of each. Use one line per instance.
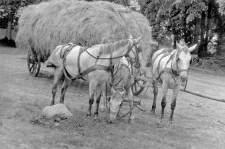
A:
(48, 24)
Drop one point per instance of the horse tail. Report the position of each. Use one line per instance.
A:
(51, 61)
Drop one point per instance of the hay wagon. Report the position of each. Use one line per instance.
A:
(34, 62)
(44, 26)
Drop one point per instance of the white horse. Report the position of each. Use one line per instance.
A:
(96, 62)
(170, 68)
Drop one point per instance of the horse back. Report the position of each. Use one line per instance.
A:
(160, 60)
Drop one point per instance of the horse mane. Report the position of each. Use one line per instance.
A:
(110, 47)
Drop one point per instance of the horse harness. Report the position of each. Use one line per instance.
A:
(64, 52)
(174, 73)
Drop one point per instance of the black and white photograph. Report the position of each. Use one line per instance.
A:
(112, 74)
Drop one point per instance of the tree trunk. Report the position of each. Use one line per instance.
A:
(196, 31)
(185, 24)
(175, 41)
(8, 33)
(202, 51)
(208, 21)
(220, 33)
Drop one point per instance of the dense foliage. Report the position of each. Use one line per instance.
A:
(221, 6)
(193, 20)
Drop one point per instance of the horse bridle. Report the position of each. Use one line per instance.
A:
(110, 110)
(135, 62)
(178, 69)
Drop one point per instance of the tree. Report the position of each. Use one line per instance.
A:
(9, 17)
(221, 6)
(193, 20)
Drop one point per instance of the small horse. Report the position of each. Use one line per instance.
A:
(121, 82)
(170, 68)
(96, 62)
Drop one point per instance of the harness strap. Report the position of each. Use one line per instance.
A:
(111, 65)
(102, 57)
(164, 51)
(99, 54)
(63, 54)
(92, 68)
(81, 50)
(158, 66)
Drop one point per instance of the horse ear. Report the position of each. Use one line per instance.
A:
(178, 45)
(138, 39)
(192, 48)
(130, 36)
(153, 43)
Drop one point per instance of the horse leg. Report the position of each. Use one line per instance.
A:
(92, 88)
(163, 102)
(173, 104)
(155, 91)
(97, 101)
(131, 99)
(120, 108)
(104, 96)
(64, 88)
(57, 77)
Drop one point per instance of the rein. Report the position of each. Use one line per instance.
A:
(138, 104)
(80, 75)
(64, 53)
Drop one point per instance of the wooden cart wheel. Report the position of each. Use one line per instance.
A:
(136, 88)
(33, 63)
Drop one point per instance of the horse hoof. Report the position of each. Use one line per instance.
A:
(160, 121)
(95, 118)
(111, 121)
(160, 125)
(102, 109)
(153, 112)
(131, 121)
(88, 115)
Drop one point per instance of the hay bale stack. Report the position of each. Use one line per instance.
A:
(46, 25)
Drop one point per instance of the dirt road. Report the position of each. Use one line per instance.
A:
(198, 123)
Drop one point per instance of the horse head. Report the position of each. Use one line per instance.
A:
(183, 60)
(133, 54)
(115, 104)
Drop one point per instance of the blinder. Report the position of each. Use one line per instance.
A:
(135, 62)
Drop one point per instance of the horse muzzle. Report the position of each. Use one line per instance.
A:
(183, 80)
(112, 116)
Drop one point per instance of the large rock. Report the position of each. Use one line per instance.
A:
(56, 110)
